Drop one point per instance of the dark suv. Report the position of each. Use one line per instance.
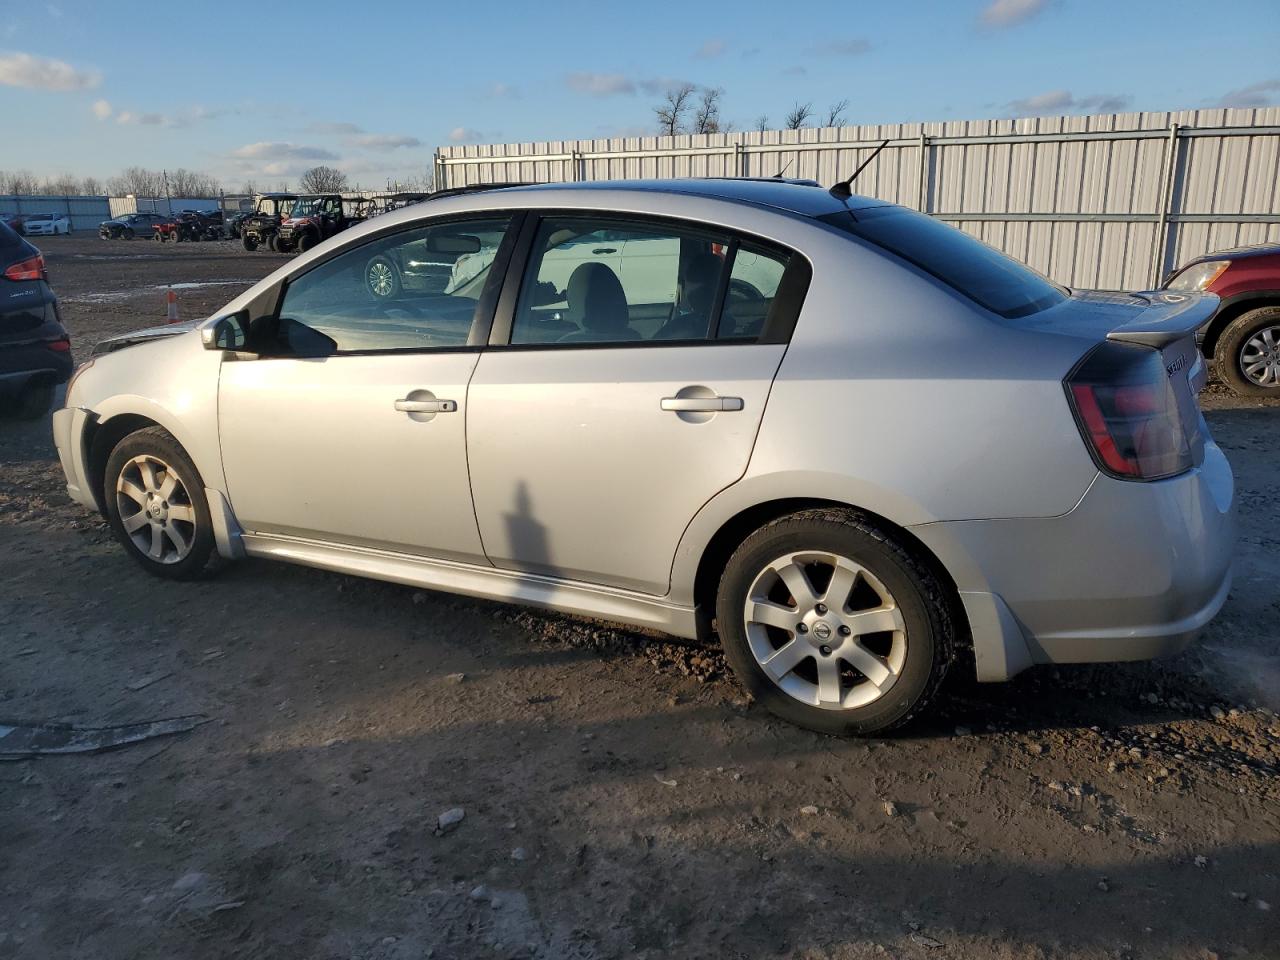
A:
(1243, 335)
(35, 352)
(316, 218)
(262, 227)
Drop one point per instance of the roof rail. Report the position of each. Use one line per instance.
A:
(795, 181)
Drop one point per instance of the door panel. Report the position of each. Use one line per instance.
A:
(578, 472)
(318, 448)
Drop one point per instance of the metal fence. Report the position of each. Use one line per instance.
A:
(85, 213)
(1109, 201)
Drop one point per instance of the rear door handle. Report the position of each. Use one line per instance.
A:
(426, 406)
(701, 404)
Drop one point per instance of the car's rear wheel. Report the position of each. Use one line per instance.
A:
(128, 233)
(156, 505)
(833, 624)
(1248, 353)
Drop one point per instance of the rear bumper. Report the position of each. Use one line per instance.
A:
(1133, 572)
(20, 365)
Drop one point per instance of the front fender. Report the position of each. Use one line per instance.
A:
(172, 382)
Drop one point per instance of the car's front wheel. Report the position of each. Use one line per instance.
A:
(156, 505)
(833, 624)
(1248, 353)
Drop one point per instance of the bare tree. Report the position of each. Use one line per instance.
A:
(192, 183)
(762, 122)
(322, 179)
(799, 116)
(835, 113)
(92, 187)
(250, 188)
(138, 181)
(671, 111)
(19, 182)
(706, 114)
(62, 185)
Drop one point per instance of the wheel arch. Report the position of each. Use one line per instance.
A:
(730, 534)
(1230, 310)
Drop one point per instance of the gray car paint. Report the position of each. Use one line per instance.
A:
(896, 395)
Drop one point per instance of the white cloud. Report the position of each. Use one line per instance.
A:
(280, 151)
(384, 141)
(465, 135)
(1261, 94)
(1009, 13)
(102, 109)
(183, 118)
(504, 91)
(601, 84)
(853, 47)
(1062, 101)
(338, 127)
(711, 49)
(40, 73)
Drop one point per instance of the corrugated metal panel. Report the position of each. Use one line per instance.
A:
(1096, 194)
(85, 212)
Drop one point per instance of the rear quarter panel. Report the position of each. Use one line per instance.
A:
(899, 396)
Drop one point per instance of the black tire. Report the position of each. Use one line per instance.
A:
(248, 242)
(34, 401)
(1229, 350)
(273, 243)
(373, 278)
(158, 443)
(305, 241)
(128, 233)
(922, 601)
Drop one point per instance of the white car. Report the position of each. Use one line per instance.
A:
(857, 444)
(46, 225)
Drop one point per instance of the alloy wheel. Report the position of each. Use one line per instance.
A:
(825, 630)
(381, 279)
(1260, 357)
(155, 509)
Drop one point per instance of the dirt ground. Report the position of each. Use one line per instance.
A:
(621, 797)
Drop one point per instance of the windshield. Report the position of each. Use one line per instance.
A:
(964, 263)
(305, 207)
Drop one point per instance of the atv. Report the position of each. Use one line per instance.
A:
(262, 227)
(317, 218)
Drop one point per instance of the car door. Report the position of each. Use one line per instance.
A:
(591, 452)
(349, 426)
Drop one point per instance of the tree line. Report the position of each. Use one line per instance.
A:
(138, 181)
(687, 108)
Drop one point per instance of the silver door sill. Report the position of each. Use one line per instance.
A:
(584, 599)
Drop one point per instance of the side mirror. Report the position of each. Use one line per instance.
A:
(226, 333)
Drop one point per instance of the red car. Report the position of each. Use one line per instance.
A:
(1243, 336)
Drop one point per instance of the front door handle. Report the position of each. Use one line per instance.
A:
(426, 406)
(600, 251)
(701, 404)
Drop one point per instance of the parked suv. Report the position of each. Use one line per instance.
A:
(262, 227)
(861, 446)
(1243, 335)
(316, 218)
(35, 351)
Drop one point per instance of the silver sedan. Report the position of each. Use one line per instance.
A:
(858, 445)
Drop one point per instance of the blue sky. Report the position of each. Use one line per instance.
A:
(252, 90)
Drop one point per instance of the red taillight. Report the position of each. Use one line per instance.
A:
(1129, 413)
(30, 269)
(60, 346)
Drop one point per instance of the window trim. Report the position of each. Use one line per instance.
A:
(779, 324)
(486, 305)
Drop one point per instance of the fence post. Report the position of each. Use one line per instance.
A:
(737, 158)
(923, 199)
(1166, 194)
(574, 166)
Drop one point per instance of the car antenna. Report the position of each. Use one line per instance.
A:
(778, 175)
(842, 191)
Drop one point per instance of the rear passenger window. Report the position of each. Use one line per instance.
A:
(596, 281)
(753, 285)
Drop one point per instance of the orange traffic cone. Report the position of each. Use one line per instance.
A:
(171, 316)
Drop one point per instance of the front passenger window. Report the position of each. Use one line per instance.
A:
(415, 290)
